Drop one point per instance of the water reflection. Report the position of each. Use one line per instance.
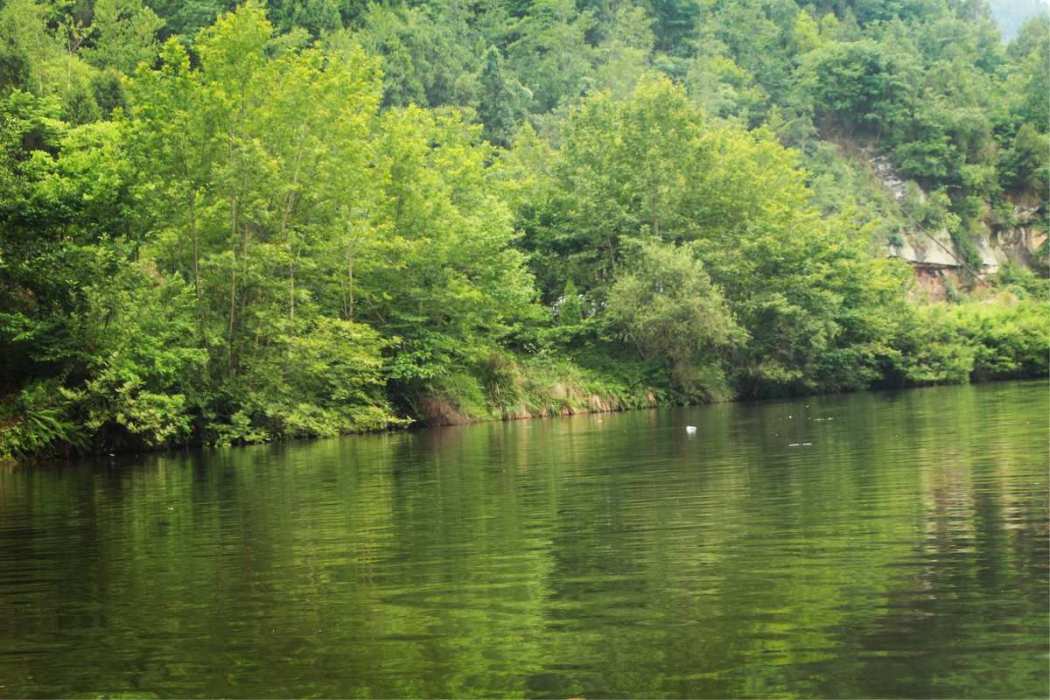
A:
(902, 552)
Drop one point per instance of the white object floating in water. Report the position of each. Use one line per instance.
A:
(691, 429)
(801, 444)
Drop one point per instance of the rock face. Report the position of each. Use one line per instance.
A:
(936, 250)
(888, 176)
(1021, 243)
(929, 251)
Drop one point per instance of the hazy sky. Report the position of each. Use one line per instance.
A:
(1011, 14)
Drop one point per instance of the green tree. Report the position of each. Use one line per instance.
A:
(1031, 50)
(124, 33)
(450, 286)
(624, 56)
(184, 18)
(39, 53)
(251, 166)
(857, 85)
(570, 310)
(651, 167)
(142, 387)
(497, 102)
(550, 53)
(674, 22)
(664, 302)
(429, 53)
(318, 17)
(1025, 166)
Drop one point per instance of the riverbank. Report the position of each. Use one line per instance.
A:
(510, 389)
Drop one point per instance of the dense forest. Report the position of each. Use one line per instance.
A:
(225, 223)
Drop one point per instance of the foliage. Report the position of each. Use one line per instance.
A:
(1022, 282)
(234, 222)
(665, 303)
(323, 382)
(143, 367)
(814, 304)
(427, 57)
(856, 83)
(979, 340)
(498, 107)
(125, 34)
(36, 422)
(551, 52)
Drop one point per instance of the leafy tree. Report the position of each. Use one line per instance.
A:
(1032, 54)
(757, 36)
(649, 166)
(724, 89)
(249, 165)
(64, 194)
(856, 84)
(18, 21)
(570, 310)
(124, 33)
(39, 54)
(624, 57)
(428, 56)
(141, 388)
(665, 303)
(1025, 166)
(623, 166)
(674, 23)
(318, 17)
(497, 102)
(451, 286)
(184, 18)
(550, 52)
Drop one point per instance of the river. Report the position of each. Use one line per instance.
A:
(876, 544)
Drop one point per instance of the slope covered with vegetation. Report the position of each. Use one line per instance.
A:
(228, 224)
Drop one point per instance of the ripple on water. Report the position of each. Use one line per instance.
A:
(904, 552)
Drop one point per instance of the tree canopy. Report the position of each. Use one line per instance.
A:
(234, 222)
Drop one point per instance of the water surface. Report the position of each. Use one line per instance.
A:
(883, 544)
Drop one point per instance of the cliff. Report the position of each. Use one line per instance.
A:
(936, 256)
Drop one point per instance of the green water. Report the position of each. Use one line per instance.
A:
(904, 553)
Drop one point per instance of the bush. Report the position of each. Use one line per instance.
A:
(998, 339)
(668, 307)
(1010, 341)
(325, 380)
(37, 422)
(141, 377)
(1022, 282)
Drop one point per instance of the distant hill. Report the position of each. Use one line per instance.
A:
(1011, 14)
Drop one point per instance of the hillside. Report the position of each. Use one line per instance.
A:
(228, 224)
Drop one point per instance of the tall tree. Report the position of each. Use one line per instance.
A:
(498, 101)
(123, 34)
